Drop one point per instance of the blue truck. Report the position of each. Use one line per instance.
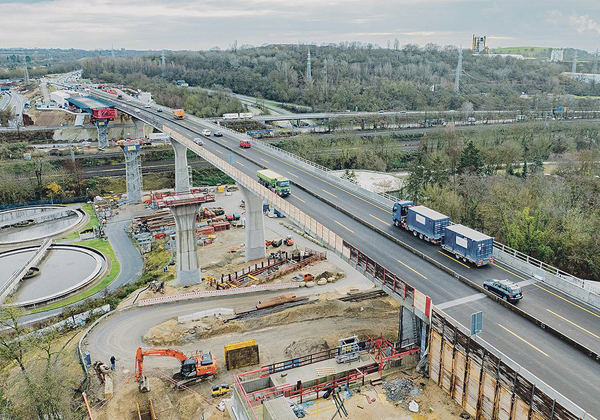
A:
(463, 242)
(469, 245)
(423, 222)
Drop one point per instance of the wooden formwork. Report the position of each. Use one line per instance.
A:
(483, 385)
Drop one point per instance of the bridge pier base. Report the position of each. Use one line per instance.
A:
(182, 169)
(102, 128)
(188, 268)
(255, 227)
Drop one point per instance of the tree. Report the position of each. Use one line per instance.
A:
(470, 159)
(350, 176)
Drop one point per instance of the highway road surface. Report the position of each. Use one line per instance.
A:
(510, 334)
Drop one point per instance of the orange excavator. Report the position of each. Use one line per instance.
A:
(193, 369)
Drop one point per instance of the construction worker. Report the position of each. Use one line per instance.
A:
(113, 360)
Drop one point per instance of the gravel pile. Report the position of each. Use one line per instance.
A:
(400, 389)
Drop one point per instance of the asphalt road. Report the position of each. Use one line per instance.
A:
(509, 333)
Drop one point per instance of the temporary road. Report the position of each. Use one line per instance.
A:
(569, 371)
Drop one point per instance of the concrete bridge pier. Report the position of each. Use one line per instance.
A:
(188, 267)
(255, 228)
(182, 169)
(140, 126)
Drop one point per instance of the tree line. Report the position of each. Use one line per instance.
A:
(351, 76)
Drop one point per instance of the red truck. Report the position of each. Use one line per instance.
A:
(245, 144)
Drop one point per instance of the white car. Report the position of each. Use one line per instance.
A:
(198, 141)
(206, 133)
(147, 106)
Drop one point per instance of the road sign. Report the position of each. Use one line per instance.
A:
(476, 323)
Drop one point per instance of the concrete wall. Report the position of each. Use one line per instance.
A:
(91, 134)
(561, 284)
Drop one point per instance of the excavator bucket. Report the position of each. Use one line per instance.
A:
(144, 384)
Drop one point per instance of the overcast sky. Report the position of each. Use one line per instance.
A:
(202, 24)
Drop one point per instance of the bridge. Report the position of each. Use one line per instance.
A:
(102, 112)
(352, 222)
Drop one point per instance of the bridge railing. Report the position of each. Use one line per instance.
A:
(414, 300)
(534, 267)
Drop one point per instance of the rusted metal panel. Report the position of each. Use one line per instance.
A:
(504, 403)
(490, 364)
(462, 342)
(472, 394)
(538, 416)
(460, 368)
(434, 356)
(447, 366)
(520, 410)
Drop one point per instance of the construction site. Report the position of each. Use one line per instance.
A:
(298, 334)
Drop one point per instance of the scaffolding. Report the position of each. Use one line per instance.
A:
(133, 170)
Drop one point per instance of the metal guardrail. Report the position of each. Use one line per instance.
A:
(389, 200)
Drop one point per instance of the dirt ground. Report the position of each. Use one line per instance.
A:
(371, 402)
(216, 260)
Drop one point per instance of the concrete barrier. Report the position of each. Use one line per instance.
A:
(573, 289)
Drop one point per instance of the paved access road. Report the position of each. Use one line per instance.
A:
(515, 339)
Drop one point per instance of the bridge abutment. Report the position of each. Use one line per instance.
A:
(255, 228)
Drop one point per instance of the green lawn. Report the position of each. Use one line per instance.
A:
(93, 222)
(104, 247)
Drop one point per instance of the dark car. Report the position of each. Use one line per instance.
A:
(507, 290)
(218, 134)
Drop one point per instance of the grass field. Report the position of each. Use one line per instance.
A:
(104, 247)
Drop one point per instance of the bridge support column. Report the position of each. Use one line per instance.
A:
(255, 228)
(102, 127)
(133, 174)
(140, 126)
(188, 268)
(182, 169)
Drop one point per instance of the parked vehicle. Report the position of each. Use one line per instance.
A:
(465, 243)
(468, 244)
(507, 290)
(275, 182)
(219, 390)
(206, 133)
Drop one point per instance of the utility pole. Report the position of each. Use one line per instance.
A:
(308, 67)
(574, 66)
(595, 68)
(163, 64)
(326, 81)
(458, 71)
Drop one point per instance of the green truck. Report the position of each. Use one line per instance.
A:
(275, 182)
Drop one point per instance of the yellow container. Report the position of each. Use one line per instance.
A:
(221, 188)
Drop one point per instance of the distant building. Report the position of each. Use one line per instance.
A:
(479, 45)
(583, 77)
(557, 55)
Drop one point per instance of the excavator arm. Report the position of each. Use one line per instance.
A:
(140, 354)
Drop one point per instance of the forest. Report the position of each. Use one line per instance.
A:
(358, 77)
